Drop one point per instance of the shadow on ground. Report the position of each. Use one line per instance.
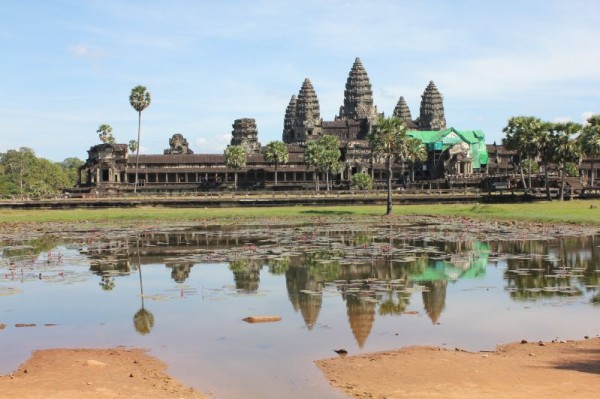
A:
(327, 212)
(591, 365)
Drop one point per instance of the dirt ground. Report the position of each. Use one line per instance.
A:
(520, 370)
(92, 374)
(550, 370)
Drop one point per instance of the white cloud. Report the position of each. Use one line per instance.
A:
(215, 144)
(84, 51)
(586, 115)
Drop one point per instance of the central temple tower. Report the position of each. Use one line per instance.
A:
(358, 95)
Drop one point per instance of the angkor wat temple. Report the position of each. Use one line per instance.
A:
(451, 152)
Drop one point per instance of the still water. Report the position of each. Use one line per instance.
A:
(183, 294)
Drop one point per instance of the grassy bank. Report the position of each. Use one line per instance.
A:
(580, 212)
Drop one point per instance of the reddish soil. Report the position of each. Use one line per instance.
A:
(92, 374)
(529, 370)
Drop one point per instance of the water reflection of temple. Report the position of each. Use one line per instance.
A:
(536, 269)
(434, 298)
(246, 274)
(298, 279)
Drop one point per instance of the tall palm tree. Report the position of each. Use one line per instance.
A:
(236, 158)
(567, 148)
(139, 100)
(276, 153)
(590, 142)
(388, 138)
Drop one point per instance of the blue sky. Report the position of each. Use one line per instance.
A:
(69, 65)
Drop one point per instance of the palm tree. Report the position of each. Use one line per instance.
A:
(105, 134)
(324, 154)
(590, 142)
(236, 158)
(132, 145)
(522, 135)
(415, 152)
(139, 100)
(388, 138)
(276, 153)
(567, 149)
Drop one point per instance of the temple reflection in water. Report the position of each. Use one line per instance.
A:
(380, 286)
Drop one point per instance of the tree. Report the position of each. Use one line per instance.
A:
(414, 152)
(26, 175)
(388, 138)
(70, 167)
(132, 145)
(362, 181)
(324, 155)
(236, 158)
(276, 153)
(19, 170)
(139, 100)
(590, 142)
(523, 134)
(105, 134)
(567, 150)
(546, 152)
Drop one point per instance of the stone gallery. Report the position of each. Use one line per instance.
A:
(451, 152)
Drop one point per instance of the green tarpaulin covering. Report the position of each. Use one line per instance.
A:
(441, 140)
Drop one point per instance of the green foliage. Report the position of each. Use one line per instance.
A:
(235, 157)
(362, 181)
(133, 146)
(70, 167)
(25, 175)
(590, 136)
(522, 135)
(276, 153)
(105, 134)
(139, 98)
(324, 155)
(531, 165)
(571, 169)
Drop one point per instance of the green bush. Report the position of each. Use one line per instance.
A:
(362, 181)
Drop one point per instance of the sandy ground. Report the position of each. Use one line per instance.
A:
(549, 370)
(92, 374)
(520, 370)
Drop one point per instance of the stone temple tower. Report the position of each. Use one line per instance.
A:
(432, 109)
(245, 134)
(403, 112)
(358, 95)
(307, 124)
(288, 121)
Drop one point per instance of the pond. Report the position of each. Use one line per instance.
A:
(362, 287)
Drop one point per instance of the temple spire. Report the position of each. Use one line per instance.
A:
(308, 113)
(358, 96)
(432, 109)
(288, 121)
(402, 111)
